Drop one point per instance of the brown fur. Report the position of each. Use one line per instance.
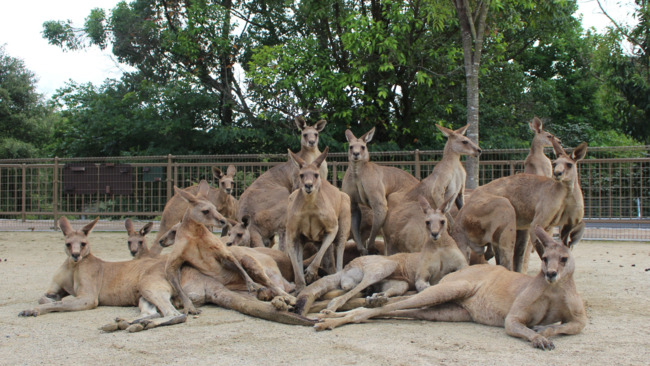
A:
(319, 213)
(403, 231)
(494, 296)
(537, 162)
(136, 242)
(265, 200)
(370, 184)
(396, 274)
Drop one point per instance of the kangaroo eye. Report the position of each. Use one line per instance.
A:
(465, 142)
(363, 147)
(302, 176)
(545, 260)
(140, 242)
(316, 176)
(205, 212)
(564, 259)
(304, 135)
(350, 147)
(68, 245)
(442, 222)
(316, 135)
(427, 222)
(569, 165)
(83, 244)
(239, 235)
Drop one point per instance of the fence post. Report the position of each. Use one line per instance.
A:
(55, 192)
(24, 194)
(334, 173)
(417, 163)
(169, 177)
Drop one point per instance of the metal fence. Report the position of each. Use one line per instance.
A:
(35, 192)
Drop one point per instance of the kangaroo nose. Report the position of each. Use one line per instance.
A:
(309, 186)
(480, 151)
(228, 190)
(551, 275)
(222, 222)
(75, 256)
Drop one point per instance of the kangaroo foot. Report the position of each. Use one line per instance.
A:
(376, 300)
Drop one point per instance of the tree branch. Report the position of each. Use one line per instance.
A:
(619, 28)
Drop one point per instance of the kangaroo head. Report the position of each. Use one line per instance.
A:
(226, 181)
(136, 241)
(358, 150)
(458, 142)
(77, 246)
(169, 237)
(557, 261)
(542, 138)
(309, 174)
(239, 235)
(435, 220)
(201, 209)
(309, 134)
(564, 166)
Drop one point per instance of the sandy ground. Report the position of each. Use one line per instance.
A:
(613, 278)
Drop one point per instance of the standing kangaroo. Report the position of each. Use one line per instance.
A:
(265, 200)
(370, 184)
(396, 274)
(403, 231)
(317, 212)
(136, 242)
(532, 308)
(537, 162)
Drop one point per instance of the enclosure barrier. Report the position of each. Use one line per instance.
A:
(35, 192)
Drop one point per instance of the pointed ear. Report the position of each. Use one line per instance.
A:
(246, 220)
(321, 158)
(462, 130)
(217, 173)
(89, 227)
(557, 148)
(300, 122)
(128, 225)
(320, 125)
(297, 160)
(226, 229)
(65, 226)
(204, 188)
(543, 236)
(146, 229)
(187, 196)
(367, 137)
(349, 135)
(424, 204)
(536, 124)
(231, 171)
(579, 152)
(445, 131)
(446, 206)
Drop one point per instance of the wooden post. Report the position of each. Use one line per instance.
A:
(55, 192)
(417, 164)
(24, 194)
(169, 177)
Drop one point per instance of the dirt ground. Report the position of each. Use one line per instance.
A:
(613, 278)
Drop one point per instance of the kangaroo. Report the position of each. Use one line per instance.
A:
(265, 200)
(176, 206)
(370, 184)
(319, 213)
(226, 204)
(537, 162)
(92, 282)
(571, 225)
(402, 229)
(539, 200)
(136, 242)
(395, 274)
(532, 308)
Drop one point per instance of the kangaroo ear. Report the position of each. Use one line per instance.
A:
(146, 229)
(319, 160)
(65, 226)
(462, 130)
(246, 220)
(445, 131)
(557, 148)
(367, 137)
(349, 135)
(231, 171)
(446, 206)
(217, 173)
(226, 229)
(297, 160)
(320, 125)
(543, 236)
(536, 125)
(579, 152)
(204, 188)
(128, 225)
(424, 204)
(89, 227)
(300, 122)
(187, 196)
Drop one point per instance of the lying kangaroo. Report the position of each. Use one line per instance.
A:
(370, 184)
(204, 199)
(92, 282)
(265, 200)
(319, 213)
(548, 303)
(403, 231)
(136, 242)
(537, 162)
(395, 274)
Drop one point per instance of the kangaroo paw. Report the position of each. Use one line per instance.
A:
(110, 327)
(376, 300)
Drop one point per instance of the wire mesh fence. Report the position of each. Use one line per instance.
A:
(35, 192)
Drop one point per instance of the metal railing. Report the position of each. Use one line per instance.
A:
(615, 183)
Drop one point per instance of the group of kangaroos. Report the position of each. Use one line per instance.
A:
(298, 250)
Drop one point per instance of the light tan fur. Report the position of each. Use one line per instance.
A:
(136, 241)
(319, 213)
(395, 274)
(403, 231)
(370, 184)
(177, 205)
(226, 204)
(571, 224)
(537, 162)
(538, 200)
(532, 308)
(265, 200)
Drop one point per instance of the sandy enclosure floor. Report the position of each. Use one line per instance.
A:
(613, 278)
